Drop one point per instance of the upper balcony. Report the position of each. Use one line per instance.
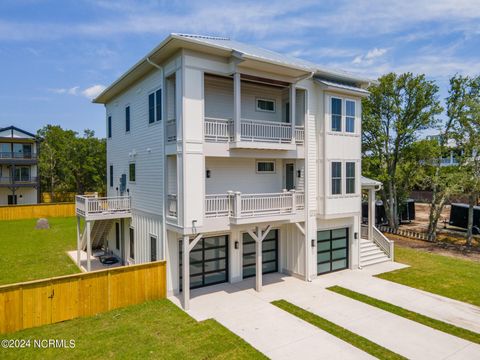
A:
(103, 208)
(20, 181)
(13, 157)
(243, 112)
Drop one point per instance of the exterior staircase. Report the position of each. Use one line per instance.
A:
(371, 253)
(98, 233)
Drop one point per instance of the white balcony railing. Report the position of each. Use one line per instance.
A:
(299, 134)
(238, 205)
(172, 205)
(218, 130)
(171, 130)
(90, 206)
(266, 131)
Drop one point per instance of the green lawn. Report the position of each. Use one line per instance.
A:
(443, 275)
(152, 330)
(29, 254)
(411, 315)
(346, 335)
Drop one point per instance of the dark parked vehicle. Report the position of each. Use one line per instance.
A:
(459, 217)
(406, 212)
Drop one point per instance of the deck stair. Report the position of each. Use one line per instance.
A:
(98, 234)
(371, 253)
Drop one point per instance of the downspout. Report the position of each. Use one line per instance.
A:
(153, 64)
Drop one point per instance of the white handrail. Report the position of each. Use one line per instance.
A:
(88, 205)
(299, 134)
(218, 130)
(171, 130)
(218, 205)
(383, 242)
(266, 131)
(172, 205)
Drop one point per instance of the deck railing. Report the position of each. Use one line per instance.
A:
(172, 205)
(171, 130)
(97, 206)
(8, 180)
(299, 134)
(18, 155)
(238, 205)
(218, 130)
(266, 131)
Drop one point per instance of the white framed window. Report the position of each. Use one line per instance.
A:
(155, 106)
(131, 172)
(267, 105)
(127, 118)
(350, 116)
(131, 243)
(350, 177)
(336, 178)
(336, 110)
(265, 167)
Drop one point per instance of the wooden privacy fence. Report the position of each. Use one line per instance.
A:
(17, 212)
(47, 301)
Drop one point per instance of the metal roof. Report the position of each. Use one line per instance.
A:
(370, 182)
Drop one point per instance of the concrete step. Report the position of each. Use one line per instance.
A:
(371, 251)
(373, 256)
(368, 247)
(374, 261)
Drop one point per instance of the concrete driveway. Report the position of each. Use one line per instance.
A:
(280, 335)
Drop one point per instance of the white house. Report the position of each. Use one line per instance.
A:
(19, 181)
(236, 160)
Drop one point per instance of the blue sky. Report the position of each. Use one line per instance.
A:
(56, 55)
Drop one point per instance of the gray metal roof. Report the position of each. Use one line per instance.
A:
(369, 182)
(271, 56)
(342, 86)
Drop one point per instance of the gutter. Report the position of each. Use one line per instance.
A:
(152, 63)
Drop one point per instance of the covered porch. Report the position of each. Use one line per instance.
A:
(98, 215)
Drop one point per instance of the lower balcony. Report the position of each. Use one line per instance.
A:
(18, 181)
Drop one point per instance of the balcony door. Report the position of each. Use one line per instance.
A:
(289, 176)
(22, 174)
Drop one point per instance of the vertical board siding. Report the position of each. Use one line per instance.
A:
(36, 303)
(18, 212)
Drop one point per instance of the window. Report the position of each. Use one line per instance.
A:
(117, 236)
(109, 126)
(155, 106)
(131, 172)
(132, 244)
(111, 175)
(336, 114)
(350, 116)
(336, 178)
(266, 167)
(350, 176)
(153, 248)
(266, 105)
(21, 174)
(127, 119)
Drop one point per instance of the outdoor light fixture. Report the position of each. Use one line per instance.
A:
(236, 244)
(313, 242)
(355, 235)
(299, 173)
(208, 174)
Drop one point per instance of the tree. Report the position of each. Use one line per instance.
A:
(397, 109)
(69, 163)
(463, 110)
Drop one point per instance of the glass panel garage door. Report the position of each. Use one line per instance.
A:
(332, 250)
(208, 262)
(269, 254)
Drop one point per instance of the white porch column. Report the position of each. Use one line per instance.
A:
(79, 240)
(258, 261)
(371, 212)
(237, 106)
(186, 272)
(292, 111)
(89, 246)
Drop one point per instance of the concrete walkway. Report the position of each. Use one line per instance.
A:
(280, 335)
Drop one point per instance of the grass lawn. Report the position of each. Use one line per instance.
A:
(152, 330)
(346, 335)
(411, 315)
(29, 254)
(447, 276)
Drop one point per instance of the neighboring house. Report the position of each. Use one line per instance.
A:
(19, 181)
(247, 160)
(450, 158)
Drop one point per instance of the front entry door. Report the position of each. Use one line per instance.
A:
(12, 199)
(332, 250)
(269, 254)
(289, 176)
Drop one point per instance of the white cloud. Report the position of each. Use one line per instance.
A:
(93, 91)
(370, 56)
(90, 92)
